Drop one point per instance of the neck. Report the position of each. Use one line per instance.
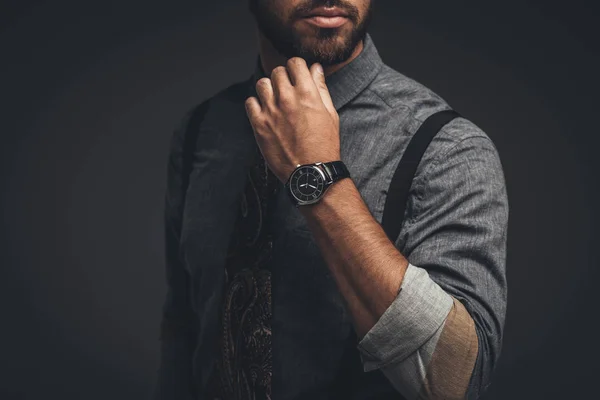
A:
(270, 58)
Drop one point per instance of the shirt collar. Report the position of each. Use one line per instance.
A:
(347, 82)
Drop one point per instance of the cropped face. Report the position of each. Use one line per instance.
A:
(324, 31)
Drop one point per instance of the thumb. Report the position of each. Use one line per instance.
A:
(316, 70)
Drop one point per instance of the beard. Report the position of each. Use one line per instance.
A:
(326, 46)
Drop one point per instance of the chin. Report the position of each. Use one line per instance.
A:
(330, 50)
(321, 37)
(319, 44)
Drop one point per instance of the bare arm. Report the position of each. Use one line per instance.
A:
(422, 336)
(434, 324)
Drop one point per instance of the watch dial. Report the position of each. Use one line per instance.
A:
(307, 184)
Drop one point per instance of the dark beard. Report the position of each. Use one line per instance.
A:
(289, 43)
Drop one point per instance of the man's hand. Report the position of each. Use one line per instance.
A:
(293, 119)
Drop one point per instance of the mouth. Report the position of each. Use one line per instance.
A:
(326, 17)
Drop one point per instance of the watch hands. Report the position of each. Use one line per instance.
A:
(307, 184)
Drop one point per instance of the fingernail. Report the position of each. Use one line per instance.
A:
(319, 68)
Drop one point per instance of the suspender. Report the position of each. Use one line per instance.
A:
(395, 203)
(189, 143)
(392, 219)
(352, 382)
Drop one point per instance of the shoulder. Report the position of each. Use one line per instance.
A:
(221, 113)
(399, 91)
(225, 103)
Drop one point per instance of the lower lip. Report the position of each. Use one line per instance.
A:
(327, 22)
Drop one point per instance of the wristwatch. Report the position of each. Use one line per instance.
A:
(308, 183)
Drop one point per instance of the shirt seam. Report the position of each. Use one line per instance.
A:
(384, 101)
(424, 177)
(400, 357)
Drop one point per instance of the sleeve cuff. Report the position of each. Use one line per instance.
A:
(420, 308)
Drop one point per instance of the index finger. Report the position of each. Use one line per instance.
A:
(299, 73)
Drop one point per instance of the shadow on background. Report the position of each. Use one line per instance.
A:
(90, 94)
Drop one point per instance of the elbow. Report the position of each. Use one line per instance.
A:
(453, 362)
(446, 366)
(487, 356)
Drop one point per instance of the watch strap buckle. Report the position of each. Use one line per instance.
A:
(328, 173)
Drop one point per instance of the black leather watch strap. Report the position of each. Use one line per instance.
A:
(337, 170)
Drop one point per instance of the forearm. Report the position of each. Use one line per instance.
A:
(370, 273)
(366, 266)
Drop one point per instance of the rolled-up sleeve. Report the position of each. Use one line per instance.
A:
(411, 320)
(441, 337)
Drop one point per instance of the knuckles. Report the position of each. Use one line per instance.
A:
(278, 70)
(296, 62)
(263, 82)
(285, 100)
(258, 122)
(287, 97)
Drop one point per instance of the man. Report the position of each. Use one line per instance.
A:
(309, 299)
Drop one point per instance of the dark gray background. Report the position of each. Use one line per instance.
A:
(91, 91)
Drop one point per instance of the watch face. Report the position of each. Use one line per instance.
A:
(307, 184)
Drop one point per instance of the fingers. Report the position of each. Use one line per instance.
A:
(299, 74)
(253, 109)
(295, 78)
(265, 92)
(316, 70)
(280, 81)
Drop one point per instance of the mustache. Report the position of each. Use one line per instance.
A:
(307, 6)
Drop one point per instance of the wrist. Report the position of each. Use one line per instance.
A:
(336, 195)
(308, 183)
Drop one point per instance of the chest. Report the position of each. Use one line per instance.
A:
(372, 140)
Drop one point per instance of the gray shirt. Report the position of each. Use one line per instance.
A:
(454, 236)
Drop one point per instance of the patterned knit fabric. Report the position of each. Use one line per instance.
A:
(243, 366)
